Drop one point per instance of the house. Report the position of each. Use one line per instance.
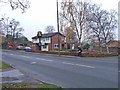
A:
(114, 46)
(49, 41)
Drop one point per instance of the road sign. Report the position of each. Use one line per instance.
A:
(39, 34)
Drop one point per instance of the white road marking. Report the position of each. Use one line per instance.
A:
(68, 63)
(46, 60)
(25, 56)
(42, 59)
(68, 56)
(33, 62)
(11, 54)
(84, 66)
(78, 65)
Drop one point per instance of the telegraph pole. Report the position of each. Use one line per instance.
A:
(58, 29)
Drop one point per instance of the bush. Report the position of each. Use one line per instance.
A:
(4, 44)
(86, 46)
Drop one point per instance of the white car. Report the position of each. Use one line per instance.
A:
(20, 47)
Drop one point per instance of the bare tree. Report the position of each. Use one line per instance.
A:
(102, 24)
(15, 4)
(4, 25)
(74, 14)
(49, 29)
(14, 28)
(18, 32)
(109, 25)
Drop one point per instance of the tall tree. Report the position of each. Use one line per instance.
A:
(49, 29)
(74, 13)
(109, 26)
(102, 24)
(15, 29)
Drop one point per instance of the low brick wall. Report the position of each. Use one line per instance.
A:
(84, 54)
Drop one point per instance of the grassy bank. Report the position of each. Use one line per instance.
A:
(3, 65)
(46, 86)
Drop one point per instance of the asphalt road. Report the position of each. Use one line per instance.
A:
(67, 72)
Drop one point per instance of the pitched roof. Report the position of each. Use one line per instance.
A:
(114, 43)
(47, 35)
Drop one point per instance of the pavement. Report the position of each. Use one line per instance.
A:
(13, 76)
(67, 72)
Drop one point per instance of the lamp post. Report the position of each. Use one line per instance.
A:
(58, 29)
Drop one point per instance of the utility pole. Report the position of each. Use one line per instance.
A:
(58, 29)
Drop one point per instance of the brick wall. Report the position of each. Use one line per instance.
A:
(54, 40)
(114, 44)
(34, 47)
(114, 50)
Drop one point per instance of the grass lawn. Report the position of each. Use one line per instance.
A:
(46, 85)
(29, 85)
(18, 85)
(4, 65)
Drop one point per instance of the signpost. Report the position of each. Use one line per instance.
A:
(39, 35)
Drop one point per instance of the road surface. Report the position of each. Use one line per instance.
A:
(67, 72)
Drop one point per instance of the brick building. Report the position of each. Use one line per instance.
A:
(114, 46)
(49, 41)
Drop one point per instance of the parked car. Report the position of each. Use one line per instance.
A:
(27, 48)
(19, 47)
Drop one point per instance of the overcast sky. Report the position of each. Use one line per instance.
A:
(43, 13)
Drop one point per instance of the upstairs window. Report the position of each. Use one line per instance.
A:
(56, 45)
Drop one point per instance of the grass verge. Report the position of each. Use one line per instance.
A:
(45, 86)
(3, 65)
(17, 85)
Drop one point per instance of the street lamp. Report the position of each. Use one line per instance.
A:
(58, 29)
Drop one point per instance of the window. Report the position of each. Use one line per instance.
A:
(62, 45)
(45, 46)
(55, 45)
(43, 39)
(47, 39)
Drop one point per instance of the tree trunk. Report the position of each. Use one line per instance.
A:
(100, 48)
(107, 48)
